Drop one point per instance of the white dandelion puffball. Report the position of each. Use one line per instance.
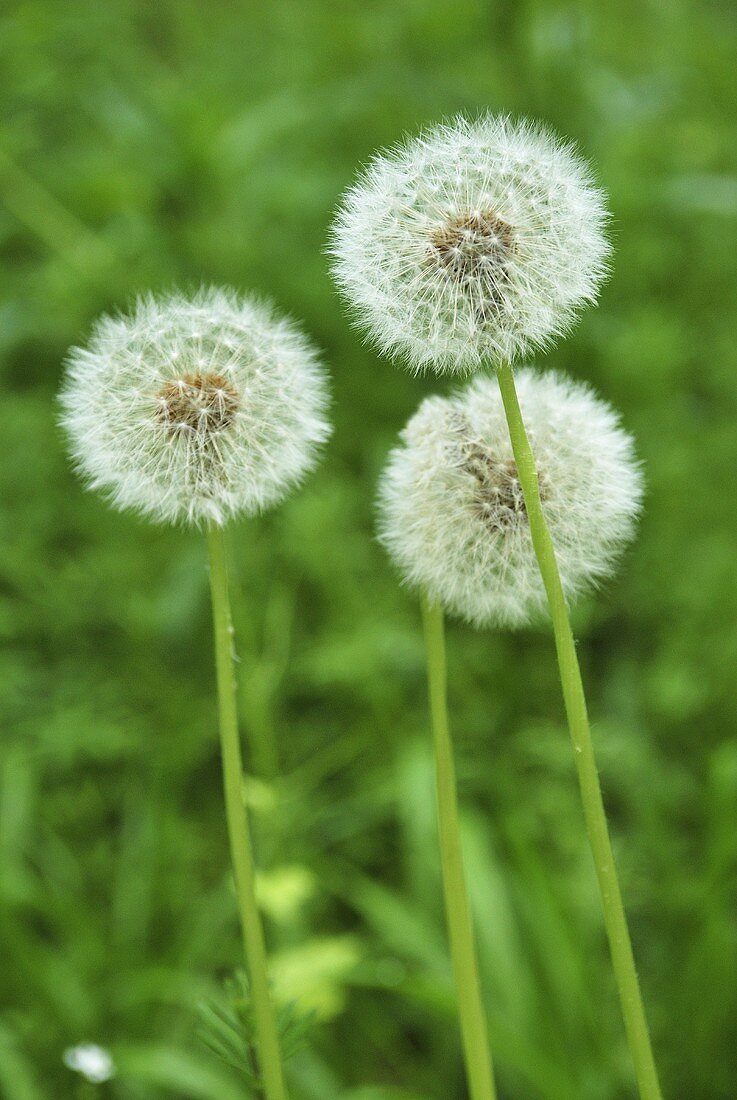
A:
(474, 242)
(452, 513)
(92, 1062)
(195, 409)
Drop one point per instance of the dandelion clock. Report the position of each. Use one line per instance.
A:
(196, 410)
(453, 513)
(474, 242)
(468, 246)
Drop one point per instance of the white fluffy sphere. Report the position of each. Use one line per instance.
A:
(452, 513)
(195, 409)
(474, 242)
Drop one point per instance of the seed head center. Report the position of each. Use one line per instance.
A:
(498, 497)
(495, 489)
(470, 246)
(203, 403)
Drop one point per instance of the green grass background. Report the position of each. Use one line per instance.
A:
(144, 145)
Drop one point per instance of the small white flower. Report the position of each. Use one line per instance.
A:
(94, 1063)
(195, 409)
(476, 241)
(452, 513)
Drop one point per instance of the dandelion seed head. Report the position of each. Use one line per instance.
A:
(451, 509)
(475, 241)
(195, 409)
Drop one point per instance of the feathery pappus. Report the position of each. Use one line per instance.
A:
(472, 243)
(195, 409)
(451, 510)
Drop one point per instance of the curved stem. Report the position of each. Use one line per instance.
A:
(575, 703)
(267, 1036)
(460, 928)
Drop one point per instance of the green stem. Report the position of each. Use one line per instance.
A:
(267, 1036)
(578, 723)
(460, 928)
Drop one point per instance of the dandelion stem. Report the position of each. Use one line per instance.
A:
(267, 1036)
(460, 928)
(575, 704)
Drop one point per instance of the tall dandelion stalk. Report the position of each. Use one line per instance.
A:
(269, 1055)
(620, 944)
(197, 410)
(471, 246)
(474, 1035)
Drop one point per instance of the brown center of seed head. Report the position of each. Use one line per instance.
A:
(203, 403)
(470, 246)
(496, 496)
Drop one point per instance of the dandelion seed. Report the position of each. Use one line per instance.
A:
(92, 1062)
(195, 409)
(453, 516)
(476, 241)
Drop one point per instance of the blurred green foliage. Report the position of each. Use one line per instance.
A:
(144, 145)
